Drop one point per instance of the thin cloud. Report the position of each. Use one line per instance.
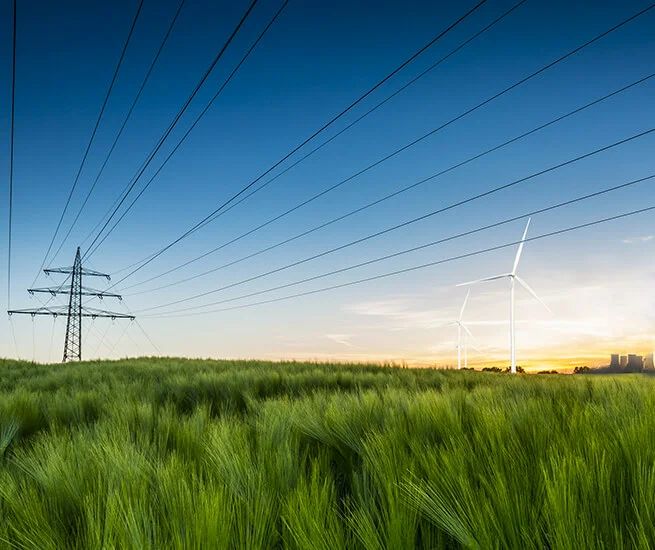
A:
(401, 314)
(643, 239)
(342, 339)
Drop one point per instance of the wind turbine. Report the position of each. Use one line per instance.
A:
(461, 326)
(513, 277)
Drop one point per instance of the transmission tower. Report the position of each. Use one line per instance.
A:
(75, 310)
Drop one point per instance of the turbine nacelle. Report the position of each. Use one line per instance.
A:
(512, 277)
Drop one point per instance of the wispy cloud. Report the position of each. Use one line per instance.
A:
(343, 339)
(400, 313)
(643, 239)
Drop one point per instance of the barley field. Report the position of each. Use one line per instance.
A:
(173, 453)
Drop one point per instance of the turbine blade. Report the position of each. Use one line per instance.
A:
(478, 350)
(469, 332)
(464, 305)
(534, 294)
(466, 329)
(518, 252)
(486, 279)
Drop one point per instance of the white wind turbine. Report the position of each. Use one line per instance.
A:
(461, 326)
(512, 278)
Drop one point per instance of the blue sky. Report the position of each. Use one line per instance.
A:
(315, 60)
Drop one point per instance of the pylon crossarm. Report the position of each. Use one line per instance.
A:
(69, 270)
(92, 273)
(38, 311)
(85, 292)
(64, 313)
(92, 312)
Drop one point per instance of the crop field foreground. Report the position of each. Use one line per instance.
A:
(172, 453)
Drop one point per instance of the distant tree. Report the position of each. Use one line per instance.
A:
(581, 370)
(492, 369)
(519, 369)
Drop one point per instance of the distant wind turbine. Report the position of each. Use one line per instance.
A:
(512, 278)
(461, 326)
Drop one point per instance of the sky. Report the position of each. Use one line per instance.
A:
(314, 61)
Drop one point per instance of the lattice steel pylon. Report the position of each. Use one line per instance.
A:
(75, 310)
(73, 342)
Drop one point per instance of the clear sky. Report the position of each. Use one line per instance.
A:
(314, 61)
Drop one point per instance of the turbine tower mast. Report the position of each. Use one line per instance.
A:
(461, 326)
(513, 277)
(75, 309)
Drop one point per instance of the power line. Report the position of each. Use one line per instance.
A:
(370, 111)
(352, 105)
(11, 157)
(397, 151)
(13, 336)
(229, 78)
(324, 143)
(111, 351)
(100, 336)
(142, 330)
(52, 338)
(366, 206)
(424, 266)
(134, 342)
(314, 150)
(148, 338)
(93, 134)
(122, 128)
(424, 246)
(413, 220)
(154, 152)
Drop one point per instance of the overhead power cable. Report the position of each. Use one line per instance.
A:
(310, 138)
(422, 266)
(152, 343)
(174, 150)
(397, 151)
(11, 158)
(102, 341)
(148, 337)
(370, 111)
(122, 128)
(13, 336)
(111, 351)
(52, 339)
(93, 135)
(366, 206)
(154, 152)
(319, 147)
(411, 221)
(423, 246)
(332, 138)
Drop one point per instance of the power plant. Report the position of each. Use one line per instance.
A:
(631, 362)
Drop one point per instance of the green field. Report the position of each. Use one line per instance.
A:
(171, 453)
